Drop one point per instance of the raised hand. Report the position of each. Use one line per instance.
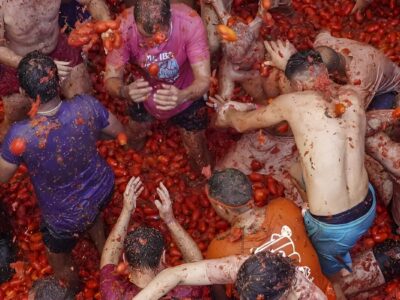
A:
(164, 205)
(280, 52)
(132, 191)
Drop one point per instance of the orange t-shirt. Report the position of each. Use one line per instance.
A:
(278, 213)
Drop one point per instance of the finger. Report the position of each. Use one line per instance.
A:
(138, 93)
(280, 44)
(140, 84)
(162, 196)
(210, 104)
(164, 100)
(166, 86)
(158, 204)
(164, 188)
(164, 92)
(267, 46)
(268, 63)
(141, 99)
(62, 63)
(137, 194)
(165, 108)
(220, 98)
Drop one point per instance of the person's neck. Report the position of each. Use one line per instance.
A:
(48, 106)
(250, 220)
(141, 278)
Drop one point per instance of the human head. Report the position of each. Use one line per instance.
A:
(144, 249)
(306, 71)
(265, 275)
(334, 62)
(38, 76)
(49, 288)
(230, 192)
(152, 16)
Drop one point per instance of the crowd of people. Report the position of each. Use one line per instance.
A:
(337, 99)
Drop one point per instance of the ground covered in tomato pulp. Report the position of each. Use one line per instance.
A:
(164, 158)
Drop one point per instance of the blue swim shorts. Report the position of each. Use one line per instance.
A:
(334, 241)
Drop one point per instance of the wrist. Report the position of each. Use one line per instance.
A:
(169, 220)
(128, 210)
(123, 92)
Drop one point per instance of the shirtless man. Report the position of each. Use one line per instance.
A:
(251, 275)
(33, 25)
(331, 148)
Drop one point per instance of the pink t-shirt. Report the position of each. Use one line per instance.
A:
(186, 45)
(369, 69)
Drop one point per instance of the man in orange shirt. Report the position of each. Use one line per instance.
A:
(279, 225)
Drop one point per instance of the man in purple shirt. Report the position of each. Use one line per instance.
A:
(169, 44)
(58, 145)
(144, 250)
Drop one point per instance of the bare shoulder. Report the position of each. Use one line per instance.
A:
(296, 98)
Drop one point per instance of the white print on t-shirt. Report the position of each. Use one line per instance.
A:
(286, 236)
(168, 66)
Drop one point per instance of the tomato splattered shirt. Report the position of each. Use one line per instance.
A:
(70, 178)
(369, 69)
(187, 44)
(116, 287)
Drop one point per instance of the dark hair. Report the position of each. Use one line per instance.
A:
(330, 58)
(144, 247)
(38, 76)
(150, 13)
(49, 288)
(265, 274)
(230, 186)
(302, 61)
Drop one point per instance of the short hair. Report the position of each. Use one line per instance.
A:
(150, 13)
(144, 247)
(38, 76)
(265, 274)
(330, 58)
(302, 61)
(49, 288)
(234, 53)
(230, 186)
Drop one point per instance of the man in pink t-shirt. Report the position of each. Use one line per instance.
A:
(169, 44)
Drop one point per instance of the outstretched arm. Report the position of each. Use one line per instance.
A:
(206, 272)
(115, 241)
(183, 240)
(97, 8)
(262, 117)
(378, 120)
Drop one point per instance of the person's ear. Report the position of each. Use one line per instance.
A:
(163, 260)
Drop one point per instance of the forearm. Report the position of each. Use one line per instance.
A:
(98, 9)
(385, 151)
(115, 241)
(197, 89)
(9, 57)
(243, 121)
(184, 241)
(378, 120)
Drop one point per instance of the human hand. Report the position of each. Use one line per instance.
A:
(63, 68)
(132, 191)
(280, 52)
(165, 205)
(222, 107)
(138, 91)
(168, 97)
(360, 5)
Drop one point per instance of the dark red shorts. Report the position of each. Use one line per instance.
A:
(8, 76)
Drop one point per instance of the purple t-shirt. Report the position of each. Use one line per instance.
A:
(70, 178)
(186, 45)
(115, 287)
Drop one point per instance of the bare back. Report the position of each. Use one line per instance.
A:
(331, 149)
(30, 25)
